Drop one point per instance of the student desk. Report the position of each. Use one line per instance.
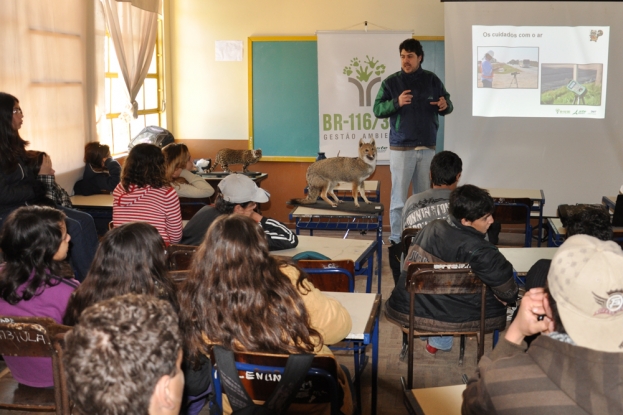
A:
(443, 400)
(364, 310)
(522, 259)
(324, 219)
(558, 233)
(361, 252)
(536, 196)
(344, 190)
(215, 178)
(98, 206)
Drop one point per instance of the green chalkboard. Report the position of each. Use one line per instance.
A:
(283, 102)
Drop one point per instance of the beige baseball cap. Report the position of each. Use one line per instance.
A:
(238, 188)
(586, 280)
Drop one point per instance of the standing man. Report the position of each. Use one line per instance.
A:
(486, 70)
(412, 99)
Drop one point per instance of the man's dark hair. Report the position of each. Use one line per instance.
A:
(444, 168)
(592, 221)
(117, 353)
(558, 326)
(412, 45)
(470, 202)
(226, 207)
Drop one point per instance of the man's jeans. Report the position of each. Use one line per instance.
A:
(412, 166)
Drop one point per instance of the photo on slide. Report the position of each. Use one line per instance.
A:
(571, 84)
(503, 67)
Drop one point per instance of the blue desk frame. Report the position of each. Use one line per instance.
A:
(322, 219)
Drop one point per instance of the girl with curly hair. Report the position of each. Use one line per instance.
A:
(130, 259)
(178, 170)
(239, 296)
(32, 284)
(145, 195)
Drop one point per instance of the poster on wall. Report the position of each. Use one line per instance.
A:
(540, 71)
(351, 67)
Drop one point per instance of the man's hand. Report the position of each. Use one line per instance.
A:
(405, 98)
(534, 304)
(46, 166)
(441, 103)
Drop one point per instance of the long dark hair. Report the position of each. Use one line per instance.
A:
(237, 295)
(30, 238)
(130, 259)
(12, 147)
(144, 167)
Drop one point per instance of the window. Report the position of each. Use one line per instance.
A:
(114, 131)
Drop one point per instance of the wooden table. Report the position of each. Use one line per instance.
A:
(215, 178)
(98, 206)
(361, 252)
(364, 310)
(443, 400)
(536, 196)
(344, 190)
(523, 259)
(323, 219)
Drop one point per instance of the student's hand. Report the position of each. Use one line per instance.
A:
(533, 304)
(405, 98)
(46, 166)
(441, 103)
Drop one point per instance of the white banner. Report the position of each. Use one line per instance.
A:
(540, 71)
(351, 67)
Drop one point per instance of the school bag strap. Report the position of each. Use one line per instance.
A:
(278, 402)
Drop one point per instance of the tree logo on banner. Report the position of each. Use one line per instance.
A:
(364, 71)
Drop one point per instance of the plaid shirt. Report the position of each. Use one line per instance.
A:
(54, 191)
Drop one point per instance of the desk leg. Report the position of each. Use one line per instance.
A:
(379, 255)
(375, 362)
(538, 243)
(369, 271)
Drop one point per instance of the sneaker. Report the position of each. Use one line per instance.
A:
(404, 353)
(430, 349)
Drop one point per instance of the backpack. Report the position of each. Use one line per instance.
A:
(152, 135)
(278, 402)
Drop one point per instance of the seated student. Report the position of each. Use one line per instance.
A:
(262, 304)
(34, 161)
(124, 357)
(239, 194)
(179, 169)
(144, 194)
(33, 241)
(592, 221)
(101, 173)
(459, 238)
(575, 366)
(424, 207)
(130, 259)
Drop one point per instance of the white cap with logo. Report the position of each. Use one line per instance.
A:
(586, 280)
(238, 188)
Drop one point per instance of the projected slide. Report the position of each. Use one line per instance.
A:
(540, 71)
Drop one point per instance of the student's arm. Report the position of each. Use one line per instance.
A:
(278, 235)
(173, 213)
(494, 270)
(110, 181)
(196, 187)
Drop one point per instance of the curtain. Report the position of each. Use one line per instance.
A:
(133, 26)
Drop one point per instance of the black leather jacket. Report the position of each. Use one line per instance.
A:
(450, 241)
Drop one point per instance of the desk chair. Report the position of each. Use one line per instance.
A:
(179, 257)
(179, 276)
(406, 238)
(338, 276)
(191, 205)
(320, 386)
(423, 278)
(515, 211)
(33, 337)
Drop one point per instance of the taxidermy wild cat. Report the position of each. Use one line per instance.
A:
(227, 156)
(323, 175)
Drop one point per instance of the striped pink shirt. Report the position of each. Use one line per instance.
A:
(158, 207)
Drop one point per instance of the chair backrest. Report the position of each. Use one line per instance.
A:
(260, 373)
(330, 274)
(178, 276)
(442, 279)
(515, 211)
(35, 337)
(407, 236)
(179, 257)
(191, 205)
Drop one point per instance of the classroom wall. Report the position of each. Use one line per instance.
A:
(208, 100)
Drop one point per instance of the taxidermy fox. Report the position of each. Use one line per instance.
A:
(324, 175)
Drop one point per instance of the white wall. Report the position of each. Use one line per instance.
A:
(209, 99)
